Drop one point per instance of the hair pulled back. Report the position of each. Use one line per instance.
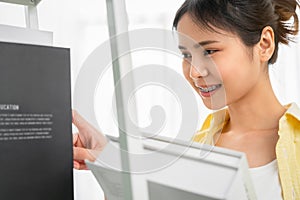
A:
(246, 18)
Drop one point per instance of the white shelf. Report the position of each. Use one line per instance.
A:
(22, 2)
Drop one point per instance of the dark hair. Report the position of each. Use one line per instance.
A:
(246, 18)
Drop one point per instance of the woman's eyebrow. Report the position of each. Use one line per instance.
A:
(202, 43)
(206, 42)
(181, 47)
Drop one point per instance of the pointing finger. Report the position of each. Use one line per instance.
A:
(82, 154)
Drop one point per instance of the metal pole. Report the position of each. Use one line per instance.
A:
(126, 178)
(31, 17)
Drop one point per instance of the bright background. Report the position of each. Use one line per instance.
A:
(82, 26)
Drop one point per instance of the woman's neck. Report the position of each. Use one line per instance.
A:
(258, 110)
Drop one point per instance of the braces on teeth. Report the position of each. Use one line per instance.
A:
(209, 89)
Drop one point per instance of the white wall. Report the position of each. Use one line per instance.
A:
(82, 26)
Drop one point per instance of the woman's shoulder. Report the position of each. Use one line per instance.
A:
(211, 125)
(290, 121)
(292, 110)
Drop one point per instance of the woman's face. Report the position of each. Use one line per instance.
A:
(218, 65)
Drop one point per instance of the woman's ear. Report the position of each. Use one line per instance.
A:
(266, 44)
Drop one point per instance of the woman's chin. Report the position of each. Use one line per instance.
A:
(213, 105)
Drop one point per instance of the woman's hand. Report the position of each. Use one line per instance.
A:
(87, 143)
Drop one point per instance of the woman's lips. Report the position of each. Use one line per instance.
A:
(208, 91)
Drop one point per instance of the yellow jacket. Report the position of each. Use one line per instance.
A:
(287, 148)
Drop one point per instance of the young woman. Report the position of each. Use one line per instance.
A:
(241, 38)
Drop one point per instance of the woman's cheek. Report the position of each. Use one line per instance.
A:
(186, 69)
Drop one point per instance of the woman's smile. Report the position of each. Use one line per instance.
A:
(208, 91)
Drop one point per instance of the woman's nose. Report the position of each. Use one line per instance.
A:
(198, 72)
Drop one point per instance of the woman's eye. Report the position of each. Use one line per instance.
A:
(186, 55)
(209, 52)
